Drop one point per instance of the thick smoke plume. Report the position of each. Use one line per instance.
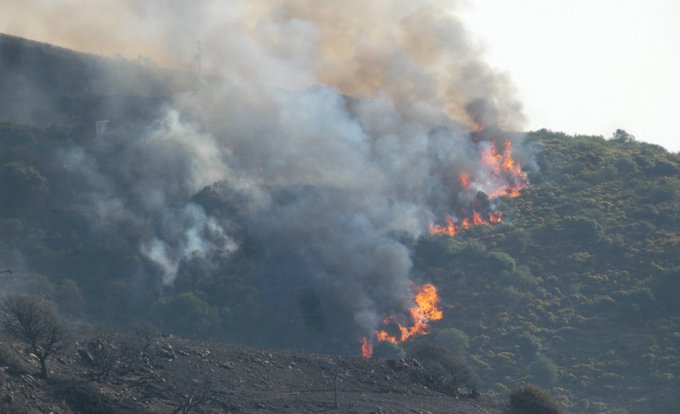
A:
(329, 135)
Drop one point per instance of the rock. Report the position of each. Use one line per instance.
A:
(86, 355)
(168, 352)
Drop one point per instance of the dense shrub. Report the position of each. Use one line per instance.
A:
(583, 229)
(387, 350)
(544, 370)
(666, 288)
(626, 165)
(187, 313)
(453, 340)
(529, 399)
(443, 371)
(500, 261)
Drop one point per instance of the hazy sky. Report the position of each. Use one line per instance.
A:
(580, 66)
(588, 66)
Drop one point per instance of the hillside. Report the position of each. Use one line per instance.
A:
(109, 373)
(575, 291)
(45, 85)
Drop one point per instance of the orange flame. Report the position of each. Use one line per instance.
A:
(505, 171)
(477, 219)
(425, 310)
(464, 180)
(366, 348)
(448, 230)
(451, 228)
(507, 180)
(427, 301)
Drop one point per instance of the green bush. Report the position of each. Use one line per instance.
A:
(626, 165)
(544, 370)
(530, 399)
(522, 277)
(387, 350)
(666, 287)
(583, 229)
(187, 313)
(454, 340)
(500, 261)
(443, 371)
(529, 345)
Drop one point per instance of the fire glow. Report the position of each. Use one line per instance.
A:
(499, 175)
(507, 175)
(503, 177)
(424, 310)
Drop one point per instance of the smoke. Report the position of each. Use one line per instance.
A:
(328, 134)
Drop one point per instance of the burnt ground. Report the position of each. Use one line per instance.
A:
(125, 374)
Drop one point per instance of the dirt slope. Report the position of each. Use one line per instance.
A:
(120, 375)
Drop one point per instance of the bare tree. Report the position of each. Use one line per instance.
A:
(191, 394)
(35, 323)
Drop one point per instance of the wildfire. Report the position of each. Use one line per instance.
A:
(499, 176)
(464, 180)
(452, 225)
(424, 310)
(507, 175)
(449, 229)
(366, 348)
(496, 217)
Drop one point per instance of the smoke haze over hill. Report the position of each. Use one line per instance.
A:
(320, 142)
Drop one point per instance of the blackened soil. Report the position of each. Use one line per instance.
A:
(166, 375)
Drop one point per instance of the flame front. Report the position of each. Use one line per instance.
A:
(448, 230)
(424, 310)
(499, 176)
(366, 348)
(452, 225)
(508, 179)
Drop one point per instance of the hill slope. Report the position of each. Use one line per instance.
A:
(161, 375)
(575, 291)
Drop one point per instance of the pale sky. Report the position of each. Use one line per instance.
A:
(579, 66)
(588, 66)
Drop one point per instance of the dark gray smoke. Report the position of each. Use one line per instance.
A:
(328, 135)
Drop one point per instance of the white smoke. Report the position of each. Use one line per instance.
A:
(332, 132)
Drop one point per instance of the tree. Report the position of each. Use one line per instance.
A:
(34, 322)
(622, 136)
